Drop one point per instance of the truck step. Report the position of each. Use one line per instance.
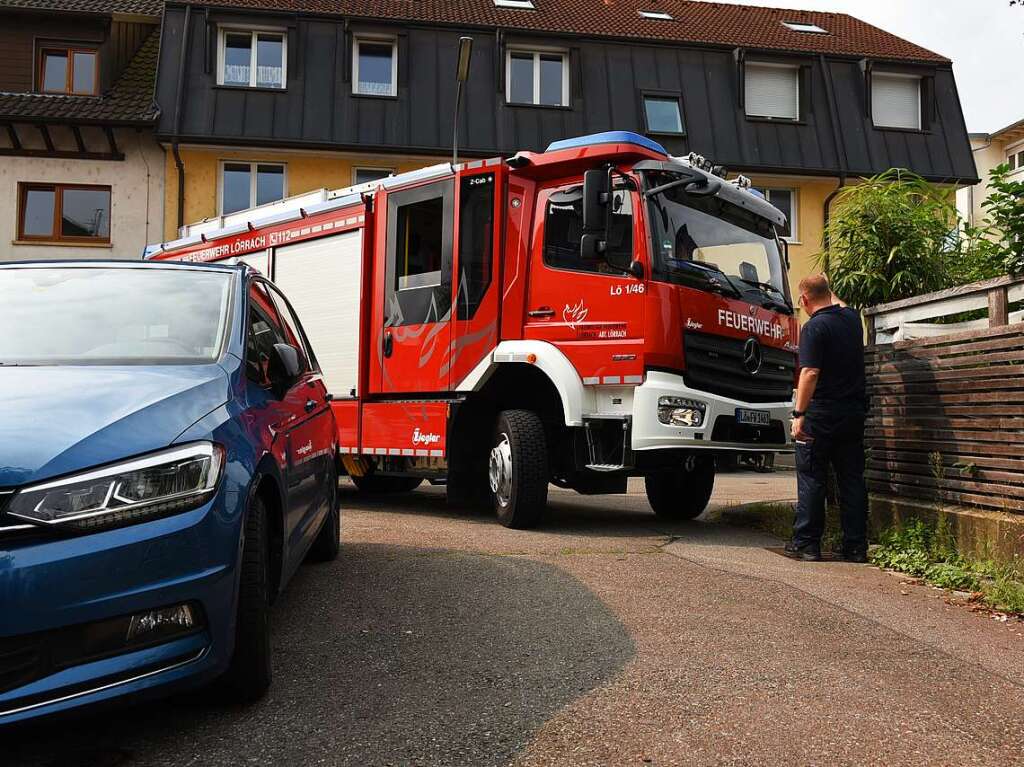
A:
(606, 467)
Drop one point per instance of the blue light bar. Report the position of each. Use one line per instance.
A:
(608, 137)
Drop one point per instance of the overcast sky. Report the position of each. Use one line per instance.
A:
(984, 38)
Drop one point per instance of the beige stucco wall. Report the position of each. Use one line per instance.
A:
(988, 153)
(136, 196)
(304, 172)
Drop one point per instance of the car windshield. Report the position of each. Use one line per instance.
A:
(695, 234)
(112, 315)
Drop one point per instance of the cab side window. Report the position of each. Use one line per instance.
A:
(292, 330)
(563, 229)
(264, 330)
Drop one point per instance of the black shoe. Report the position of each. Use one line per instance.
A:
(805, 553)
(859, 556)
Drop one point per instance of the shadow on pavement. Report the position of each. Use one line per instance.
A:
(391, 655)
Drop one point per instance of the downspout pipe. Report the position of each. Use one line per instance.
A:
(179, 102)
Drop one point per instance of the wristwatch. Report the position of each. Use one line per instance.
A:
(799, 413)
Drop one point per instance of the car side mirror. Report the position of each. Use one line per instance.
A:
(284, 368)
(592, 247)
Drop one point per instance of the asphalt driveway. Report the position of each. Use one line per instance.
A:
(607, 638)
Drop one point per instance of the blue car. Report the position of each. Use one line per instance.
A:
(167, 461)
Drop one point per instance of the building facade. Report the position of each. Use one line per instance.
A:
(1004, 147)
(81, 175)
(256, 104)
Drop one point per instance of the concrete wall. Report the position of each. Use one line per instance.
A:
(136, 196)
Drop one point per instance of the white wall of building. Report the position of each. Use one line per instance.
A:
(989, 152)
(136, 196)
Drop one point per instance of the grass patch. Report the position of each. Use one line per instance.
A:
(776, 519)
(929, 552)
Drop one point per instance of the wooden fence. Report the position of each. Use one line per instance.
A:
(947, 409)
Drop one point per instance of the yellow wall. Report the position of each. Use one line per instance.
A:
(810, 221)
(304, 172)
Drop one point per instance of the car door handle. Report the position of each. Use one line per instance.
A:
(544, 311)
(388, 344)
(310, 405)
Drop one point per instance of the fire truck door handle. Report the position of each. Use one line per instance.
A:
(388, 344)
(544, 311)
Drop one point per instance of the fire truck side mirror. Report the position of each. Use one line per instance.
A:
(596, 193)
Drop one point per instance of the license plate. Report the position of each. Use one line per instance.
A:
(753, 417)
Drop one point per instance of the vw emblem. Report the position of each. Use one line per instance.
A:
(753, 356)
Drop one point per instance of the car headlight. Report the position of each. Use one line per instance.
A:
(154, 485)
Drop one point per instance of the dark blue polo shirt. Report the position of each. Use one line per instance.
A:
(832, 341)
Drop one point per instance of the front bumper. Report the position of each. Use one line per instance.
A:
(718, 432)
(48, 583)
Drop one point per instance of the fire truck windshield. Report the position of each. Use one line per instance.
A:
(708, 243)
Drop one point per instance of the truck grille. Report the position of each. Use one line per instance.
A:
(715, 364)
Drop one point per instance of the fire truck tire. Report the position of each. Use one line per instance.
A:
(250, 672)
(373, 483)
(518, 469)
(683, 493)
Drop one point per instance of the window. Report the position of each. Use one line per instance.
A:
(772, 91)
(248, 184)
(896, 101)
(71, 71)
(264, 331)
(805, 27)
(563, 230)
(476, 242)
(784, 200)
(420, 234)
(537, 77)
(252, 59)
(365, 175)
(375, 67)
(64, 213)
(292, 329)
(1015, 159)
(656, 15)
(662, 114)
(522, 5)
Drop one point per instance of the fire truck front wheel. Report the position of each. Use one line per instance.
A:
(682, 493)
(517, 469)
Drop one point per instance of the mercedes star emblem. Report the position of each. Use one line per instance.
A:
(753, 356)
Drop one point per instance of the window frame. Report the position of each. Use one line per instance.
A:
(537, 51)
(920, 100)
(357, 40)
(797, 71)
(357, 168)
(664, 95)
(55, 237)
(253, 32)
(69, 50)
(1015, 153)
(253, 165)
(793, 238)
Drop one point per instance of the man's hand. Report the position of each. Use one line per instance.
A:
(796, 428)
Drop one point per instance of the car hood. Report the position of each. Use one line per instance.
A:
(57, 420)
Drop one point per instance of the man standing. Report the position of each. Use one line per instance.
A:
(828, 423)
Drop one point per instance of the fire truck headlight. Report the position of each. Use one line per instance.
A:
(676, 411)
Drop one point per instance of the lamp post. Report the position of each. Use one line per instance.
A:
(461, 76)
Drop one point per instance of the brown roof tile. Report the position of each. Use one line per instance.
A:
(130, 100)
(104, 7)
(692, 22)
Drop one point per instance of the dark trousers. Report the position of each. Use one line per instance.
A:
(836, 439)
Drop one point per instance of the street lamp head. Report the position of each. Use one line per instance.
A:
(465, 53)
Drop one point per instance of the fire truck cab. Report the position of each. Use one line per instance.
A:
(578, 316)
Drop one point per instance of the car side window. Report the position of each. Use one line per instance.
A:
(292, 330)
(264, 330)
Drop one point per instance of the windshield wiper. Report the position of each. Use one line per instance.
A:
(708, 271)
(768, 287)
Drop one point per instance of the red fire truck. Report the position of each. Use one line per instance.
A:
(578, 316)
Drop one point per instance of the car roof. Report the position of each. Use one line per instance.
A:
(122, 264)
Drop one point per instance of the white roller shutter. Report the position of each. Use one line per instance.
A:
(772, 91)
(322, 279)
(896, 101)
(260, 261)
